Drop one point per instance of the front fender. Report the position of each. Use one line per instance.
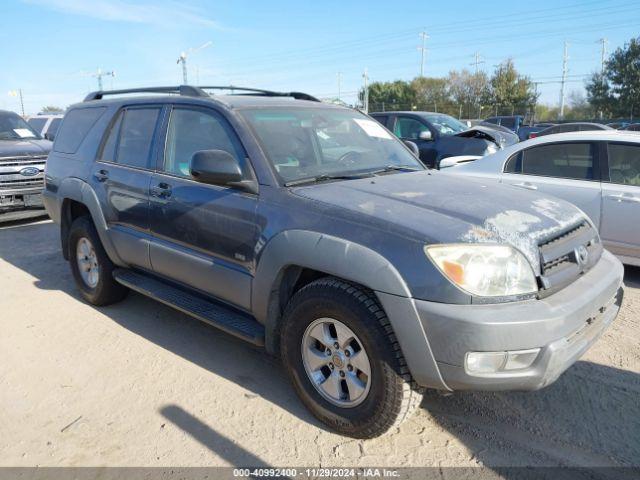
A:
(349, 261)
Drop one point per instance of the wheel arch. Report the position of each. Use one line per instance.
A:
(76, 198)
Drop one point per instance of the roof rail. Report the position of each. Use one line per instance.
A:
(184, 90)
(193, 91)
(266, 93)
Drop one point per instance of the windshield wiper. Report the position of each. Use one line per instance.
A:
(325, 177)
(395, 168)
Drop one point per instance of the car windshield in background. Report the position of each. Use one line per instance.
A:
(326, 142)
(13, 127)
(446, 125)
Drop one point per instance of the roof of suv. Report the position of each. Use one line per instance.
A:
(245, 97)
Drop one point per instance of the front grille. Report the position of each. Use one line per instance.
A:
(12, 179)
(567, 256)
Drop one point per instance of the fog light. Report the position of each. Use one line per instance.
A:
(496, 362)
(485, 362)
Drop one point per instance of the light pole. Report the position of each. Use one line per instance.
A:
(183, 59)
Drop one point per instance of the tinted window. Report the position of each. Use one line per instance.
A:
(75, 127)
(108, 152)
(409, 128)
(624, 164)
(136, 136)
(37, 123)
(563, 160)
(193, 130)
(54, 125)
(383, 119)
(493, 120)
(514, 164)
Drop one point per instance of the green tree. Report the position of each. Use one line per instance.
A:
(397, 95)
(510, 91)
(431, 94)
(599, 95)
(468, 91)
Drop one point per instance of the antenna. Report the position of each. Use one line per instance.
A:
(183, 58)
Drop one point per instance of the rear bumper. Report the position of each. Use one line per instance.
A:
(563, 326)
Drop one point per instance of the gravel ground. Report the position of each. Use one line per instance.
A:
(138, 384)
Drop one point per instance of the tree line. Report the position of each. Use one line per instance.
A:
(613, 93)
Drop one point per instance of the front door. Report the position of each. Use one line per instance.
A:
(204, 235)
(568, 170)
(621, 202)
(121, 177)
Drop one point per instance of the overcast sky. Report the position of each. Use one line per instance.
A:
(49, 48)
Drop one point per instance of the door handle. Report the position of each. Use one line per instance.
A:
(527, 185)
(162, 190)
(621, 197)
(101, 175)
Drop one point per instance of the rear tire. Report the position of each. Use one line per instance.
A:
(335, 310)
(91, 267)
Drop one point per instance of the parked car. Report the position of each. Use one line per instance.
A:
(598, 171)
(46, 125)
(515, 123)
(618, 125)
(440, 136)
(22, 158)
(571, 127)
(310, 229)
(633, 127)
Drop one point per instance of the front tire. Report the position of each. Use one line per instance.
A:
(91, 267)
(345, 363)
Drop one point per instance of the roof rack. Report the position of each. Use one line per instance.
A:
(265, 93)
(193, 91)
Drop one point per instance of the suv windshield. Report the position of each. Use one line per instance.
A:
(445, 124)
(13, 127)
(311, 143)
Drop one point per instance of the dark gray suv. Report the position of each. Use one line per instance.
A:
(310, 229)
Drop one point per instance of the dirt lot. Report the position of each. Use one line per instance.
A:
(138, 384)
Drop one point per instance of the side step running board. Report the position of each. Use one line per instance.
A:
(221, 316)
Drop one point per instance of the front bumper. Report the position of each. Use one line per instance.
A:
(17, 199)
(563, 325)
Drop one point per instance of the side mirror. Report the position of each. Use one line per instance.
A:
(216, 167)
(50, 136)
(425, 135)
(413, 147)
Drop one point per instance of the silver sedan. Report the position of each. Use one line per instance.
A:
(599, 171)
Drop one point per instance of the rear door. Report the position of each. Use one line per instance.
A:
(204, 236)
(121, 177)
(568, 170)
(620, 229)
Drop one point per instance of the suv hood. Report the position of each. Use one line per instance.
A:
(24, 148)
(437, 208)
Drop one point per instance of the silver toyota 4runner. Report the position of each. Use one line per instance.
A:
(311, 230)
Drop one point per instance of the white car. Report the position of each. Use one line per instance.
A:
(599, 171)
(46, 125)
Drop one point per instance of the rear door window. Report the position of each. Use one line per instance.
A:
(136, 137)
(561, 160)
(624, 164)
(75, 127)
(383, 119)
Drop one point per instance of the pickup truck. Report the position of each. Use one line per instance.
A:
(23, 154)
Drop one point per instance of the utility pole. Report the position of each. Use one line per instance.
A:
(339, 76)
(18, 93)
(477, 61)
(565, 60)
(365, 99)
(99, 74)
(603, 53)
(423, 51)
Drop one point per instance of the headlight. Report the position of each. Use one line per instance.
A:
(485, 270)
